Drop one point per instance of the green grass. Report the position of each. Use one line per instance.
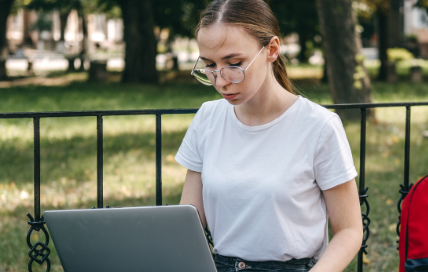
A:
(68, 155)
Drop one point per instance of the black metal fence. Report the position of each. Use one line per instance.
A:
(39, 251)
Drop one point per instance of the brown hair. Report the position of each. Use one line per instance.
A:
(256, 17)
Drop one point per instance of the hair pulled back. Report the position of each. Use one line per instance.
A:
(256, 17)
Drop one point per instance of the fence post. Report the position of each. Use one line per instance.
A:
(39, 252)
(99, 161)
(406, 187)
(159, 159)
(363, 191)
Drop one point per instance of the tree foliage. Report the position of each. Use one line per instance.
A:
(382, 5)
(179, 16)
(422, 4)
(294, 16)
(50, 5)
(297, 17)
(110, 8)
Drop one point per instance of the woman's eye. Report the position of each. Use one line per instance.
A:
(209, 65)
(236, 64)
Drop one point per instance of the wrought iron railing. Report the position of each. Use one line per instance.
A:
(39, 252)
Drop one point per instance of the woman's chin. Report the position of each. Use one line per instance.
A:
(235, 101)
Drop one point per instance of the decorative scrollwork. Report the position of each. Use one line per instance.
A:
(365, 217)
(39, 252)
(404, 192)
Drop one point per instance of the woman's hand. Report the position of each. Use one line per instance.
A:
(343, 207)
(192, 193)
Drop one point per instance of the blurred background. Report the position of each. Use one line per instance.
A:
(78, 55)
(43, 36)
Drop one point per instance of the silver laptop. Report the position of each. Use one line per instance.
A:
(152, 239)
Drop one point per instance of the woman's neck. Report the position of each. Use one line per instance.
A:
(270, 102)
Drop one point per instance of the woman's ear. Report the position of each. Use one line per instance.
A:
(273, 49)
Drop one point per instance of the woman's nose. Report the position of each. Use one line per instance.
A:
(220, 81)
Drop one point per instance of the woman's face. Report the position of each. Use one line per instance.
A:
(223, 45)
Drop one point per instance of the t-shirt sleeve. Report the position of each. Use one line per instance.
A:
(188, 155)
(333, 163)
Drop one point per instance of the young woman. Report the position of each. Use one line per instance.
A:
(266, 167)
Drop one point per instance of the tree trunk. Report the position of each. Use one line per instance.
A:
(382, 33)
(5, 6)
(63, 17)
(3, 73)
(84, 50)
(27, 40)
(303, 37)
(324, 78)
(396, 24)
(390, 31)
(348, 79)
(140, 48)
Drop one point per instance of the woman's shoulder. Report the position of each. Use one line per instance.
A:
(314, 112)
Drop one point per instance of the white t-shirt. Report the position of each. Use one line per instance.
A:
(262, 184)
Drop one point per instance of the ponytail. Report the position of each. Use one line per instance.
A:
(280, 74)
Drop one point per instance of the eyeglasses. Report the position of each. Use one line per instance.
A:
(234, 74)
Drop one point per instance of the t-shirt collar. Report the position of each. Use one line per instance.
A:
(292, 108)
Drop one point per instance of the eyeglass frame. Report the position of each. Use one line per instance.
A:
(215, 76)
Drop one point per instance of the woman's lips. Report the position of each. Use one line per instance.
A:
(229, 96)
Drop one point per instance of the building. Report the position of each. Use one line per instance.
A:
(416, 25)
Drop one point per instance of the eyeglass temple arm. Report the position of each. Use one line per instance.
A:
(191, 73)
(255, 58)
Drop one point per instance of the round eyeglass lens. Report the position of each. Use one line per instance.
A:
(205, 77)
(233, 74)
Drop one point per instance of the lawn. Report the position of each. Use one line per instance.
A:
(68, 155)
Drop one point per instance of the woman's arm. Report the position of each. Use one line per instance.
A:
(192, 193)
(343, 207)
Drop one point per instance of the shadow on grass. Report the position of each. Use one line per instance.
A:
(91, 96)
(75, 158)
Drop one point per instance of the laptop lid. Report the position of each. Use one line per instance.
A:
(155, 239)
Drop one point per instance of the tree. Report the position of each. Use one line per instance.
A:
(179, 16)
(422, 4)
(390, 29)
(139, 19)
(140, 42)
(300, 17)
(140, 48)
(383, 34)
(5, 8)
(347, 76)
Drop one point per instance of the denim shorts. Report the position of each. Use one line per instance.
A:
(233, 264)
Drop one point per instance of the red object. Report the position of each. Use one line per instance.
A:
(413, 245)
